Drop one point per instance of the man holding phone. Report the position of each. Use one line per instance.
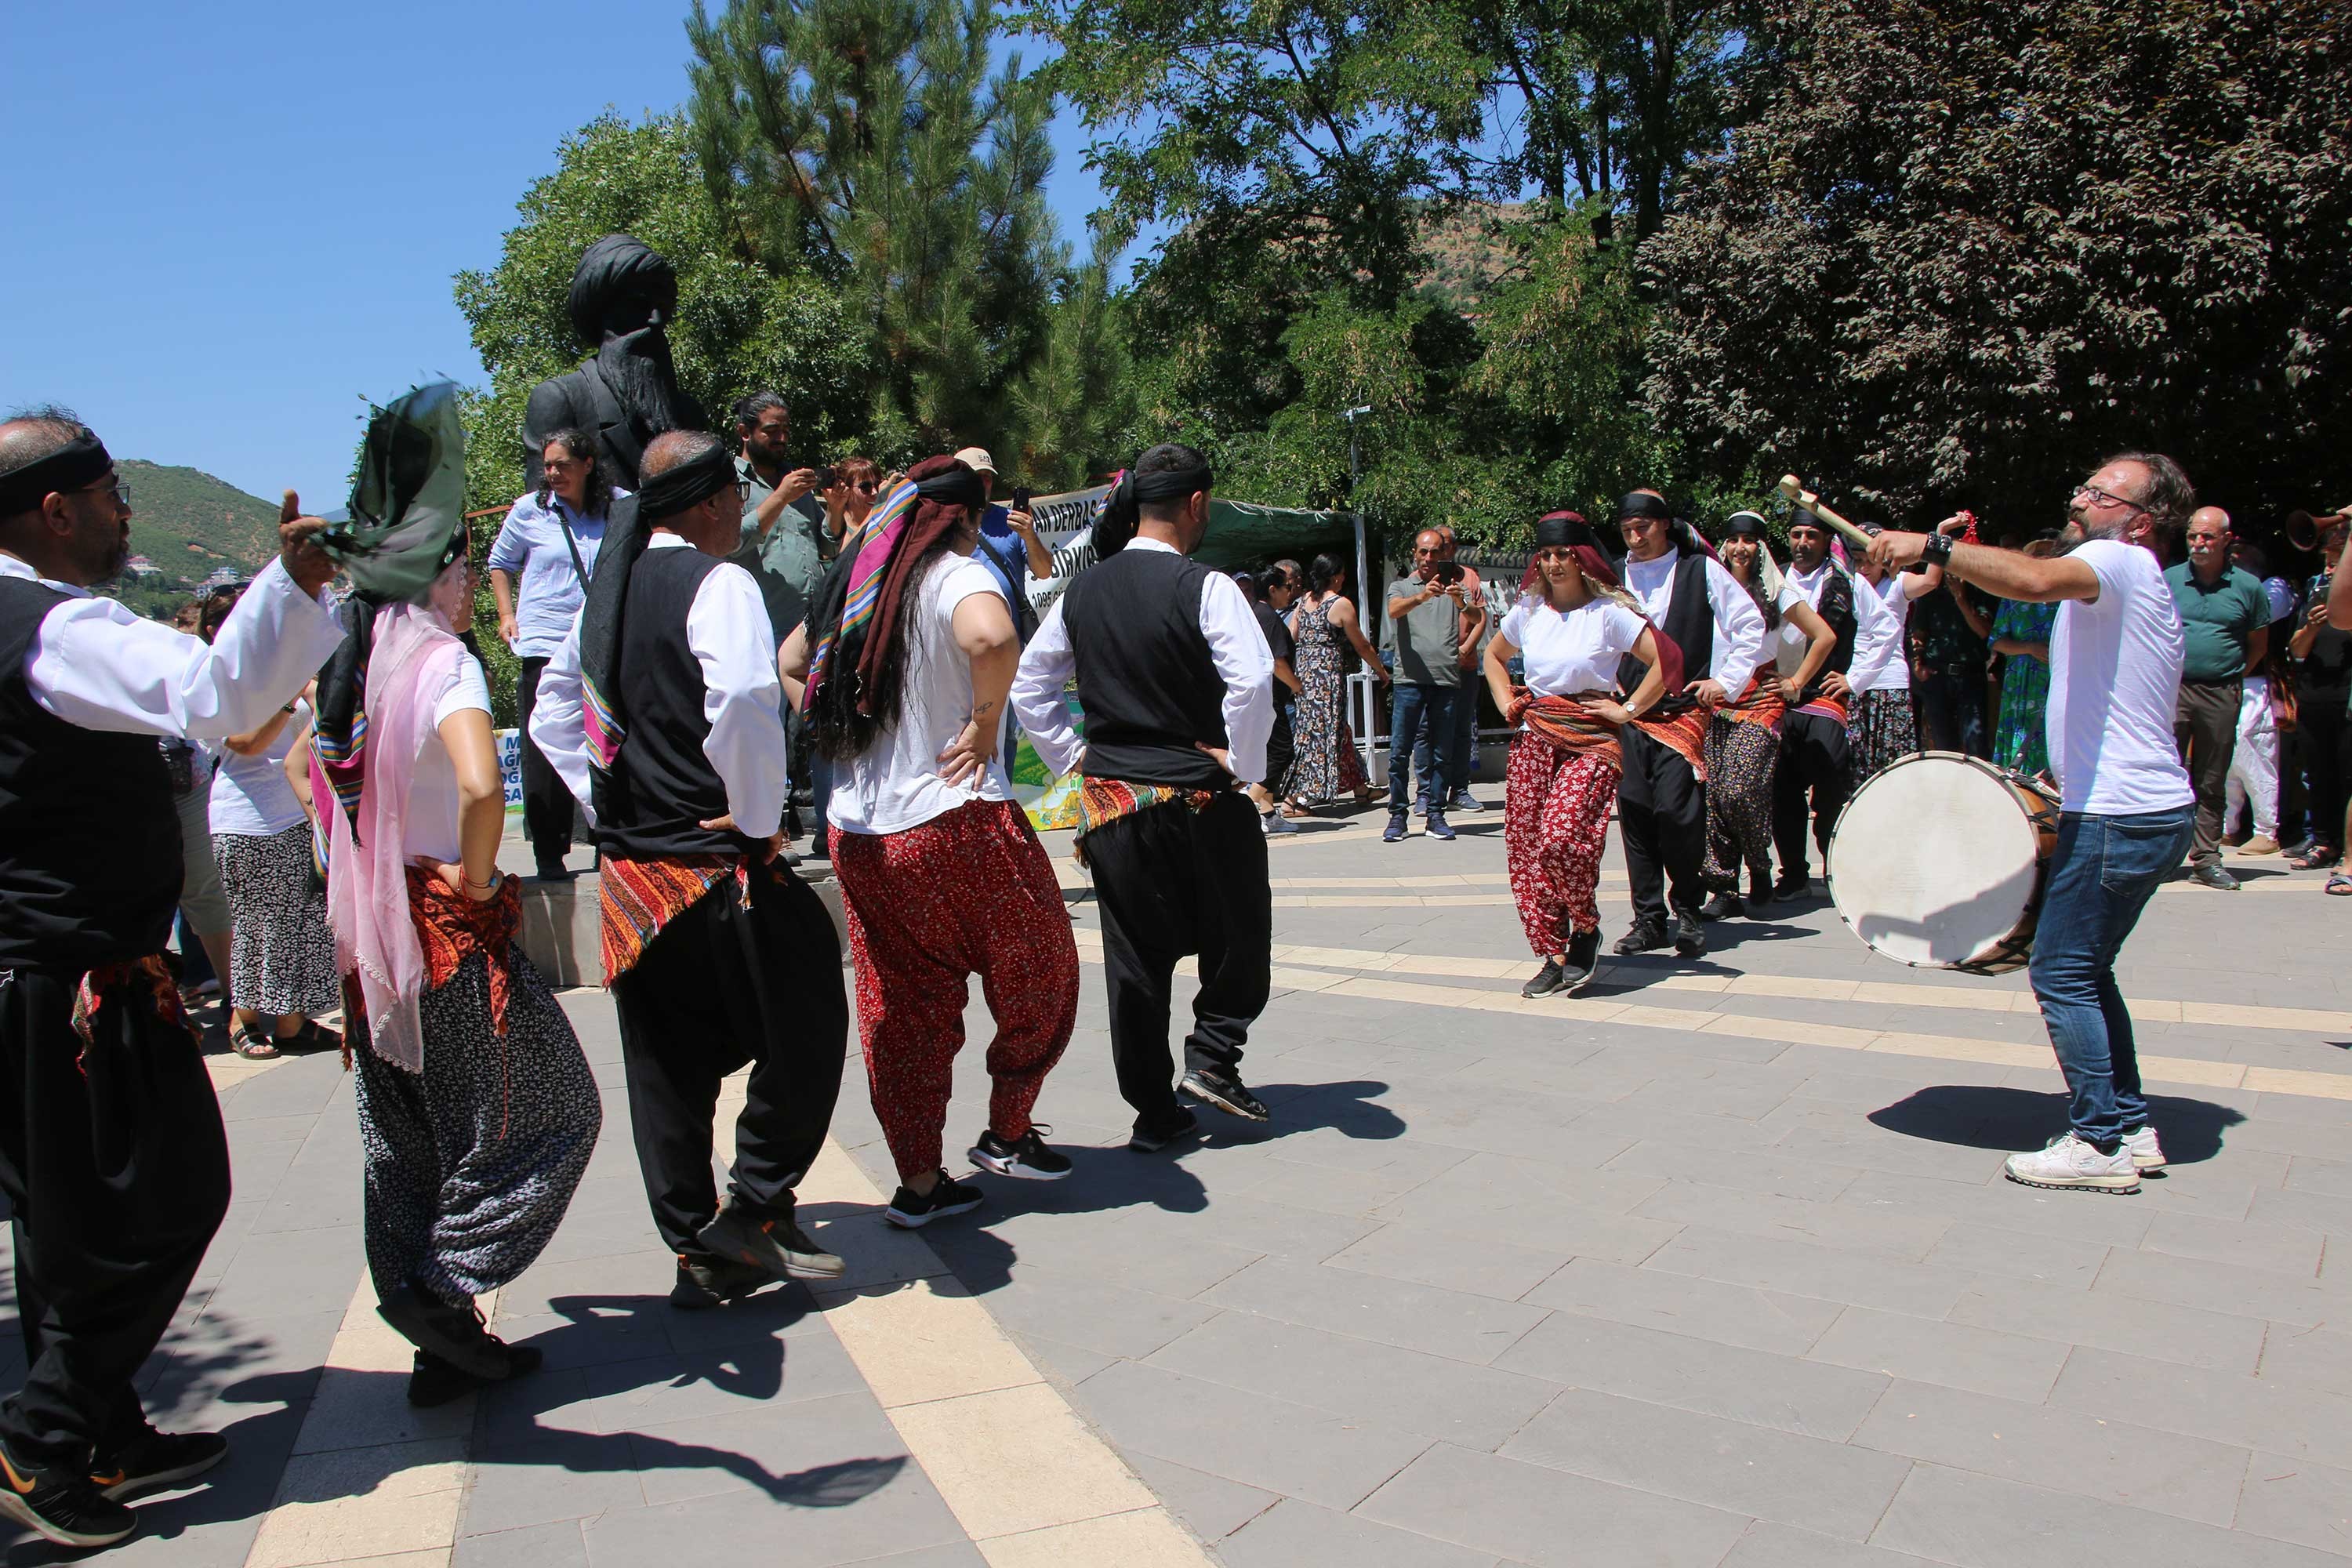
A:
(1426, 632)
(786, 545)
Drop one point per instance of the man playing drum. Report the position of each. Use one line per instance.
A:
(2128, 810)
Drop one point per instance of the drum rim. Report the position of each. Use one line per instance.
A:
(2000, 955)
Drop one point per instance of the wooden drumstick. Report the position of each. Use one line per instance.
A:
(1794, 488)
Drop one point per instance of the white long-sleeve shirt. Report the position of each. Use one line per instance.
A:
(97, 665)
(1738, 624)
(1236, 648)
(727, 632)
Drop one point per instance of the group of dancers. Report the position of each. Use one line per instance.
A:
(1721, 707)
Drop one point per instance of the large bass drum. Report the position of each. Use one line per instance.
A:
(1939, 861)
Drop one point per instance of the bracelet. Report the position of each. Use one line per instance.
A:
(1938, 550)
(287, 708)
(495, 878)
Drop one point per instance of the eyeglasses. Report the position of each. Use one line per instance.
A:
(2103, 498)
(120, 487)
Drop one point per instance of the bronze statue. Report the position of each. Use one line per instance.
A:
(623, 293)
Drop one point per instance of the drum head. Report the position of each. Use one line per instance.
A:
(1934, 860)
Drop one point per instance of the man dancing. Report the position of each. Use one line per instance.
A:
(1662, 799)
(2127, 809)
(661, 711)
(111, 1151)
(1177, 686)
(1812, 738)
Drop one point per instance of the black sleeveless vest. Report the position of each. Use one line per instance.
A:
(90, 842)
(1146, 680)
(651, 802)
(1690, 622)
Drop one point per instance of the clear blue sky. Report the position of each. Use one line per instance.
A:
(229, 225)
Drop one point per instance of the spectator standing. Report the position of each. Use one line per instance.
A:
(203, 905)
(1425, 611)
(1008, 545)
(1475, 623)
(540, 566)
(2323, 688)
(2020, 636)
(1270, 594)
(1323, 630)
(2227, 619)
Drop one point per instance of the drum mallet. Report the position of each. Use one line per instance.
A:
(1859, 537)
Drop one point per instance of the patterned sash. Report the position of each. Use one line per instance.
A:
(152, 978)
(1102, 802)
(641, 897)
(1568, 726)
(1684, 731)
(1759, 704)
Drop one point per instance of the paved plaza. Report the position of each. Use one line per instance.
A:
(1712, 1266)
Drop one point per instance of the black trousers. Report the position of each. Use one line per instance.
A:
(720, 987)
(1173, 881)
(547, 804)
(115, 1162)
(1813, 775)
(2323, 745)
(2206, 727)
(1661, 817)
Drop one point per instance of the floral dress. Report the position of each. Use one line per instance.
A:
(2018, 741)
(1325, 765)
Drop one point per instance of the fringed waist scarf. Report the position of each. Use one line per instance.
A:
(152, 979)
(1684, 731)
(1825, 706)
(1102, 802)
(642, 897)
(452, 928)
(1568, 726)
(1759, 704)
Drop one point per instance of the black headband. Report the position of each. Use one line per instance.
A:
(81, 461)
(959, 486)
(1559, 528)
(1743, 525)
(1122, 508)
(1640, 503)
(690, 483)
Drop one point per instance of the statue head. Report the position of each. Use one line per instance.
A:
(622, 286)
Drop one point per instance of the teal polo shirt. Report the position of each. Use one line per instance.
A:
(2217, 620)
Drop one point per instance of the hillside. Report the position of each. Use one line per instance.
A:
(190, 524)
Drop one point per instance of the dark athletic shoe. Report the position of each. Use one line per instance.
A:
(1394, 832)
(1722, 906)
(707, 1282)
(1690, 937)
(432, 1381)
(1546, 980)
(155, 1459)
(66, 1508)
(1436, 827)
(946, 1196)
(454, 1333)
(1792, 884)
(1150, 1139)
(1583, 960)
(1226, 1092)
(1024, 1158)
(778, 1245)
(2210, 875)
(1645, 936)
(1760, 891)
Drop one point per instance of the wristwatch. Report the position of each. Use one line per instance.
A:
(1938, 552)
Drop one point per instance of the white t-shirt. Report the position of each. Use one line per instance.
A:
(429, 829)
(1790, 643)
(2114, 679)
(896, 783)
(250, 795)
(1568, 655)
(1882, 613)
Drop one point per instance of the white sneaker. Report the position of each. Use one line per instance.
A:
(2069, 1162)
(2146, 1152)
(1274, 821)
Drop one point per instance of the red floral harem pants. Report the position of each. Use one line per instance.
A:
(971, 891)
(1556, 808)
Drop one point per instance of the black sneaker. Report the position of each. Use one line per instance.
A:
(456, 1334)
(1394, 832)
(558, 872)
(1760, 891)
(153, 1458)
(1583, 960)
(2210, 875)
(66, 1508)
(1722, 906)
(1548, 979)
(946, 1196)
(1792, 884)
(1025, 1157)
(776, 1244)
(1150, 1138)
(432, 1381)
(1690, 937)
(1225, 1091)
(1645, 936)
(707, 1282)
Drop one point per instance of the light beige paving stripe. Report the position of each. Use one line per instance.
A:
(2182, 1070)
(1031, 1483)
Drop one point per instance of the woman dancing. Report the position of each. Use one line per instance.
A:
(1574, 624)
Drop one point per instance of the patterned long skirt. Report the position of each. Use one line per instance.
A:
(470, 1165)
(1556, 808)
(281, 952)
(1740, 761)
(1882, 727)
(969, 891)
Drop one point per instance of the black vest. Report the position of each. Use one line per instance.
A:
(1690, 622)
(90, 841)
(1836, 608)
(1146, 682)
(652, 803)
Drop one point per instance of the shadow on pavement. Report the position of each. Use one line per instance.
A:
(1980, 1116)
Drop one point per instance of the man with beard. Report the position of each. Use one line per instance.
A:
(111, 1152)
(622, 296)
(1661, 797)
(2128, 811)
(1812, 738)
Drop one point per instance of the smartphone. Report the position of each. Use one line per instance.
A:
(1021, 498)
(824, 479)
(1448, 573)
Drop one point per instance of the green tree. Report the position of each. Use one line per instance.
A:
(868, 142)
(1963, 250)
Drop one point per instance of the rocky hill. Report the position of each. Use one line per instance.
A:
(186, 525)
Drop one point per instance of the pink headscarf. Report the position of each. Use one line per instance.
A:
(410, 663)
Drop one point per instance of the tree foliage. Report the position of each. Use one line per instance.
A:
(1963, 250)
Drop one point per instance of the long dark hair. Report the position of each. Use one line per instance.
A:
(849, 715)
(1324, 571)
(580, 446)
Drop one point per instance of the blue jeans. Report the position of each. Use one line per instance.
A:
(1410, 708)
(1465, 741)
(2103, 873)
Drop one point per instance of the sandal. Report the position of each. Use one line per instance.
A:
(253, 1045)
(2319, 859)
(2339, 886)
(311, 1037)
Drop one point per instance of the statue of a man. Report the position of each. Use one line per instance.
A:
(623, 294)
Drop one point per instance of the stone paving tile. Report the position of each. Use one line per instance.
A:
(1416, 1317)
(1753, 1386)
(2298, 1501)
(1450, 1260)
(2269, 1412)
(1828, 1486)
(1536, 1514)
(2044, 1259)
(1294, 1534)
(2277, 1250)
(1905, 1235)
(2249, 1292)
(556, 1545)
(1769, 1546)
(2309, 1358)
(2182, 1334)
(1802, 1268)
(1685, 1304)
(1094, 1313)
(1211, 1506)
(1921, 1350)
(903, 1520)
